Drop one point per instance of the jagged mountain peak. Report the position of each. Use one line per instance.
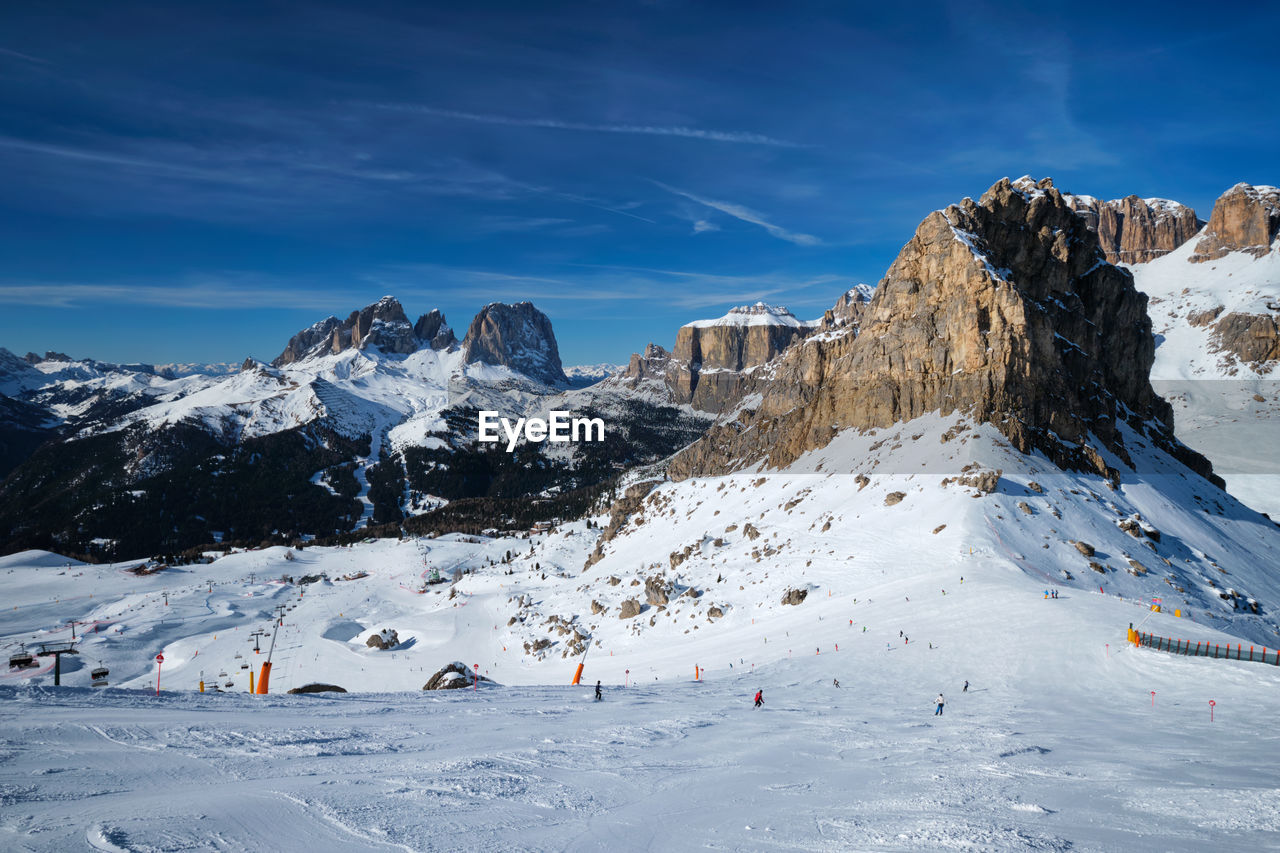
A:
(382, 324)
(516, 336)
(1135, 230)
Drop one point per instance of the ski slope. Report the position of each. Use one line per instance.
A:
(1058, 744)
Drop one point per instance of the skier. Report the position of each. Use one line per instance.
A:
(599, 695)
(940, 702)
(836, 682)
(966, 688)
(759, 699)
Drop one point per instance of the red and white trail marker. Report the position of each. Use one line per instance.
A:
(159, 663)
(1211, 706)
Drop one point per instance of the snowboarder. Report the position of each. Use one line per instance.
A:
(940, 702)
(599, 695)
(966, 688)
(759, 699)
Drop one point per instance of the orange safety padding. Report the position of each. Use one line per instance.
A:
(264, 678)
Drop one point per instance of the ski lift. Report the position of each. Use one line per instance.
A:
(229, 684)
(244, 665)
(222, 675)
(21, 659)
(100, 673)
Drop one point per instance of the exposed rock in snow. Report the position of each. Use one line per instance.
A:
(1133, 230)
(1245, 218)
(518, 337)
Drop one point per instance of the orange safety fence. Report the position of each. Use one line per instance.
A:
(1205, 649)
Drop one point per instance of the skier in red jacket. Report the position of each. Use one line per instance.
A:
(759, 698)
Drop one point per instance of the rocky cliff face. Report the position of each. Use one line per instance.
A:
(1134, 230)
(516, 336)
(1245, 219)
(382, 324)
(713, 365)
(1003, 309)
(1251, 338)
(849, 308)
(432, 329)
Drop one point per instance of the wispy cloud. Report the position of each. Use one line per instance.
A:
(594, 284)
(746, 214)
(25, 57)
(703, 225)
(200, 292)
(736, 136)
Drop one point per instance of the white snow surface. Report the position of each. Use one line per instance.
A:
(1057, 745)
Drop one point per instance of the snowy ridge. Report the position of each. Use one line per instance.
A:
(758, 314)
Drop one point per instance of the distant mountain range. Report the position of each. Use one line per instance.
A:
(367, 424)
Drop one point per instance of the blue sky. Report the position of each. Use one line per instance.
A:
(186, 184)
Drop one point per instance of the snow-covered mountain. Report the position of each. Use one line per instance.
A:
(1215, 306)
(582, 375)
(373, 418)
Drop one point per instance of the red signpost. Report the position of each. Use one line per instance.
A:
(475, 685)
(159, 663)
(1211, 706)
(627, 682)
(1153, 698)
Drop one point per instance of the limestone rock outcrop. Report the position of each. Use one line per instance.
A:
(454, 676)
(516, 336)
(434, 331)
(1003, 309)
(1133, 230)
(1245, 218)
(382, 325)
(849, 308)
(714, 362)
(317, 687)
(1251, 338)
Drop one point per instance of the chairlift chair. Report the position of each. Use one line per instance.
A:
(100, 672)
(22, 659)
